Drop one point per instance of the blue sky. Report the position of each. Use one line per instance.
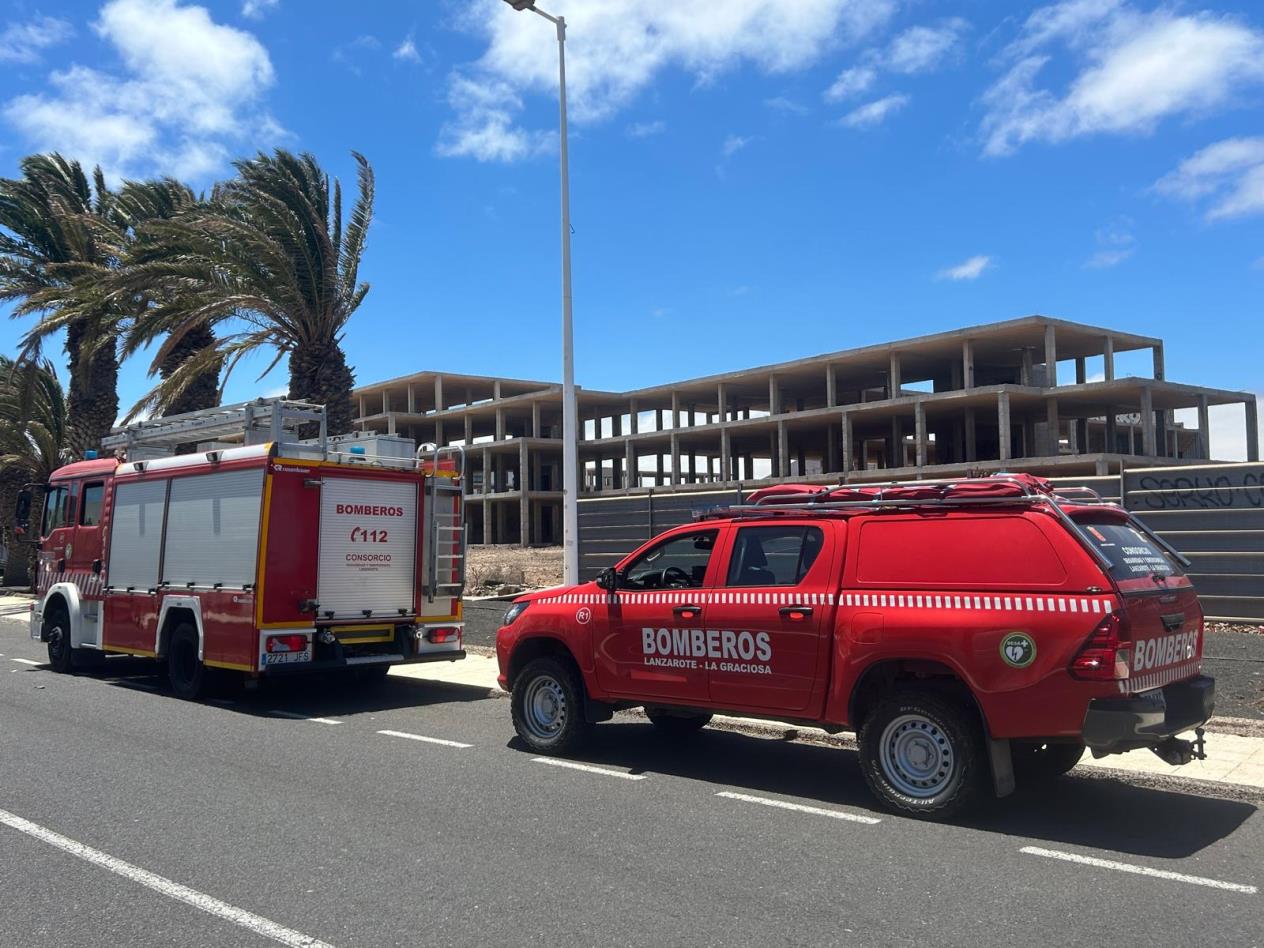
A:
(751, 181)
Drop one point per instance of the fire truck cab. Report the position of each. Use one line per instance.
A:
(965, 630)
(255, 551)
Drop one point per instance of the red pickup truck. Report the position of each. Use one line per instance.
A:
(967, 631)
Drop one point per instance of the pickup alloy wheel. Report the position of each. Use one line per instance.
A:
(921, 754)
(547, 704)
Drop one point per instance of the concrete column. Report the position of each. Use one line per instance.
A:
(722, 399)
(675, 459)
(524, 496)
(1053, 444)
(536, 431)
(1148, 446)
(1204, 428)
(919, 424)
(1252, 429)
(496, 389)
(1081, 371)
(675, 410)
(1002, 421)
(726, 456)
(774, 396)
(632, 477)
(386, 402)
(469, 431)
(774, 455)
(972, 437)
(894, 377)
(1158, 362)
(967, 364)
(895, 446)
(500, 424)
(412, 399)
(363, 412)
(438, 439)
(831, 450)
(1108, 358)
(1112, 432)
(847, 440)
(489, 526)
(831, 387)
(1051, 356)
(438, 385)
(488, 477)
(783, 449)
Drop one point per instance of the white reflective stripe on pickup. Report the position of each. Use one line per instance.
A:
(957, 602)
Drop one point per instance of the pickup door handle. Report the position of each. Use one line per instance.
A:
(688, 611)
(796, 613)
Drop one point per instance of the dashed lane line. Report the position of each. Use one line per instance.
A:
(164, 886)
(799, 807)
(587, 768)
(1138, 870)
(303, 717)
(425, 740)
(25, 661)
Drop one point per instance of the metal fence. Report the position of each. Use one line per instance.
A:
(1214, 514)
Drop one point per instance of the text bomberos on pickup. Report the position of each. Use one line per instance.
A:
(968, 631)
(264, 555)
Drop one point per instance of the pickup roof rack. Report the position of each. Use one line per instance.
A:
(997, 490)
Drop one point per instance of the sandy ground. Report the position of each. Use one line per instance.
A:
(491, 566)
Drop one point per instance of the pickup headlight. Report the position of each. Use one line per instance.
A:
(517, 609)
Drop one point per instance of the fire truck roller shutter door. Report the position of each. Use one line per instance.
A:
(368, 540)
(136, 534)
(213, 528)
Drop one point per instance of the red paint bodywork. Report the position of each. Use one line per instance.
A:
(1031, 575)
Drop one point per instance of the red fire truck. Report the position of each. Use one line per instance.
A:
(258, 552)
(966, 630)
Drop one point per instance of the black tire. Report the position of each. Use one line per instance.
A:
(1035, 761)
(185, 671)
(61, 657)
(547, 705)
(677, 725)
(922, 755)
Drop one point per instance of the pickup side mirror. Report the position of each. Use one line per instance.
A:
(22, 513)
(608, 579)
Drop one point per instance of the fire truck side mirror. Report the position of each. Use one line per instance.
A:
(22, 514)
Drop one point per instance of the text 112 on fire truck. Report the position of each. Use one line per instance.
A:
(259, 552)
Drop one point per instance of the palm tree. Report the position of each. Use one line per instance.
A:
(46, 239)
(269, 262)
(34, 442)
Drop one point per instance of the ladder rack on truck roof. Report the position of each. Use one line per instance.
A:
(260, 421)
(1027, 495)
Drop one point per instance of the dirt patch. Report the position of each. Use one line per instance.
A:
(1236, 627)
(489, 569)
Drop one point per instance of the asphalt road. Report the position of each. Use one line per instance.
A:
(1235, 660)
(229, 817)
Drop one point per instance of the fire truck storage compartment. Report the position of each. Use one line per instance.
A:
(368, 543)
(136, 534)
(213, 528)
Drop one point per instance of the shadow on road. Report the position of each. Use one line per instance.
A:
(1087, 810)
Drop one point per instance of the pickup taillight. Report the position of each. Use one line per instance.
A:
(1106, 655)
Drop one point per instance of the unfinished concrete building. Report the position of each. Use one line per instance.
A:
(1033, 394)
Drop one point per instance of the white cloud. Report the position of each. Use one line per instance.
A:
(1115, 244)
(851, 82)
(646, 129)
(485, 128)
(874, 113)
(970, 269)
(188, 87)
(407, 51)
(626, 44)
(258, 9)
(25, 42)
(1229, 173)
(780, 103)
(1131, 71)
(922, 48)
(733, 144)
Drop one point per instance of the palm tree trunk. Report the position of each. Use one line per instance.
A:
(319, 373)
(202, 392)
(21, 551)
(92, 404)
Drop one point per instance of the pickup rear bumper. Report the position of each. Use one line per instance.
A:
(1115, 725)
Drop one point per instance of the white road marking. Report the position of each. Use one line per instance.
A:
(1138, 870)
(554, 762)
(799, 807)
(302, 717)
(25, 661)
(424, 739)
(164, 886)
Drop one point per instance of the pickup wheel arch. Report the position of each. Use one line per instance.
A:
(886, 675)
(540, 646)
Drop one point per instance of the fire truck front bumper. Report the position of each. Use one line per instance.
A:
(1149, 719)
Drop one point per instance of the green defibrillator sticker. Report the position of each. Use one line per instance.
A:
(1018, 650)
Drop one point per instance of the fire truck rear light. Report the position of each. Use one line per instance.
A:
(1105, 656)
(287, 643)
(445, 634)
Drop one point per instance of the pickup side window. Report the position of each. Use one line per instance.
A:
(678, 563)
(54, 509)
(90, 505)
(773, 556)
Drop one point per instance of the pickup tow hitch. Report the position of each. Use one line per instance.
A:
(1175, 751)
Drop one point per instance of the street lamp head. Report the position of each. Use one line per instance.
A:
(521, 4)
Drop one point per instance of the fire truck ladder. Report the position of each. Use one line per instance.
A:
(256, 422)
(444, 573)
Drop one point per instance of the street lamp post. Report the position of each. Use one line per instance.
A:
(570, 410)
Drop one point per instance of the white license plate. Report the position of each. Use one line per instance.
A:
(287, 658)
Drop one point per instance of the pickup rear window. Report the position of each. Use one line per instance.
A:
(1132, 554)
